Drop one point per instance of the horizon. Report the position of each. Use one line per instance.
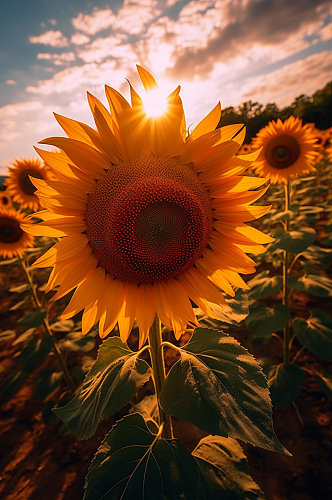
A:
(53, 53)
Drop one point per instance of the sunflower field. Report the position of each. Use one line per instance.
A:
(166, 326)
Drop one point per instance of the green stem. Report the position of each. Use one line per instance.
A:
(159, 374)
(285, 299)
(56, 347)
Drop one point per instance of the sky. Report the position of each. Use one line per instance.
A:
(52, 52)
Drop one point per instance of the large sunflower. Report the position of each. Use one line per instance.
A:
(19, 185)
(288, 150)
(151, 217)
(13, 240)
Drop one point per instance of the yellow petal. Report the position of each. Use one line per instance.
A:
(208, 123)
(127, 314)
(149, 83)
(84, 156)
(145, 312)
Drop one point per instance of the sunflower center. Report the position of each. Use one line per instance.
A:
(10, 230)
(282, 151)
(25, 183)
(148, 219)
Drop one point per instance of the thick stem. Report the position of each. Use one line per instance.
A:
(285, 301)
(159, 374)
(56, 348)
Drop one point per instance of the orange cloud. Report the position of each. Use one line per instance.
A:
(52, 38)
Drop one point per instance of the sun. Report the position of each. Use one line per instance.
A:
(288, 150)
(152, 221)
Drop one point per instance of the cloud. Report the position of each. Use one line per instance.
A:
(230, 28)
(58, 59)
(100, 48)
(92, 23)
(79, 39)
(52, 38)
(11, 82)
(134, 15)
(304, 76)
(90, 76)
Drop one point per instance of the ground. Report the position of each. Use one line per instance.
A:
(40, 463)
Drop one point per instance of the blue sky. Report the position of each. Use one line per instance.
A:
(52, 52)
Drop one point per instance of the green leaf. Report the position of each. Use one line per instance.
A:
(262, 286)
(148, 409)
(20, 288)
(235, 311)
(263, 321)
(325, 383)
(318, 255)
(7, 334)
(46, 383)
(63, 325)
(24, 336)
(12, 383)
(8, 262)
(224, 472)
(315, 333)
(296, 241)
(35, 352)
(113, 380)
(285, 215)
(32, 320)
(286, 384)
(218, 386)
(316, 285)
(48, 416)
(21, 303)
(134, 463)
(75, 341)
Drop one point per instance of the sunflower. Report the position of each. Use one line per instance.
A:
(19, 185)
(289, 150)
(151, 218)
(4, 200)
(13, 240)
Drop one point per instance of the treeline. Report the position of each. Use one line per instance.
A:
(315, 109)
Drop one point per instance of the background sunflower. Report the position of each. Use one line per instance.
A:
(19, 185)
(289, 150)
(13, 240)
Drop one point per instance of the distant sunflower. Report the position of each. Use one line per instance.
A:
(4, 200)
(150, 217)
(13, 240)
(289, 150)
(19, 185)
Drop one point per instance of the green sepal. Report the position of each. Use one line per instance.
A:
(224, 472)
(311, 283)
(134, 463)
(286, 384)
(218, 386)
(296, 241)
(315, 333)
(113, 380)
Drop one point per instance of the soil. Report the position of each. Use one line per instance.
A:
(40, 463)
